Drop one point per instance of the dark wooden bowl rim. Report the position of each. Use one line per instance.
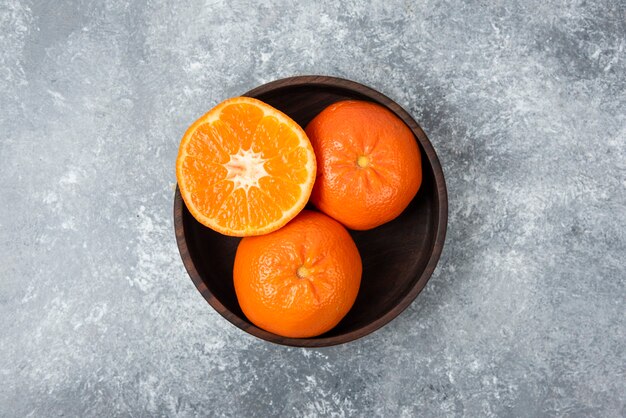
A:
(437, 247)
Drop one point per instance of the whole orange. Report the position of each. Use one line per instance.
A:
(368, 164)
(300, 280)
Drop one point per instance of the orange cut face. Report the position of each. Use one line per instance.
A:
(245, 168)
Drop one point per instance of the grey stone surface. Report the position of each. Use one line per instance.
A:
(525, 103)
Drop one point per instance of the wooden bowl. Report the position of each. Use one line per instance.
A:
(398, 257)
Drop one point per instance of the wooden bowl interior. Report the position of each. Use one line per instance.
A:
(394, 255)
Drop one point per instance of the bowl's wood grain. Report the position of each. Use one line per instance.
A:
(398, 257)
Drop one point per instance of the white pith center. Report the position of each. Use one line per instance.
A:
(245, 169)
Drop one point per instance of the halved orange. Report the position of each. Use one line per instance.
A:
(245, 168)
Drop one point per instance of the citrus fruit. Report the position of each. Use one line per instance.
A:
(301, 280)
(368, 162)
(245, 168)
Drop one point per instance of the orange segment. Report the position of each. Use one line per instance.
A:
(270, 128)
(285, 194)
(245, 168)
(202, 173)
(279, 166)
(206, 141)
(242, 120)
(265, 207)
(211, 198)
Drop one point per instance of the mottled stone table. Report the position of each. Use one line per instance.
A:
(524, 102)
